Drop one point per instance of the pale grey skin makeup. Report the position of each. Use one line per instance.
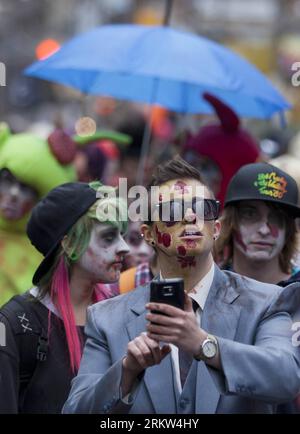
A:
(102, 261)
(140, 251)
(16, 199)
(261, 235)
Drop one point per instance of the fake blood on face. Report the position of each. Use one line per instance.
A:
(274, 230)
(240, 241)
(181, 251)
(188, 261)
(163, 238)
(181, 186)
(185, 261)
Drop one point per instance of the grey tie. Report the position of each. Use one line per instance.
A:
(185, 359)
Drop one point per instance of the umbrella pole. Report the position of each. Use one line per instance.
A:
(144, 151)
(169, 5)
(83, 105)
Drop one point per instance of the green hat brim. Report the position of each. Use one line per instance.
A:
(119, 138)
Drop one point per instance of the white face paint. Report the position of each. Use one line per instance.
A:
(16, 199)
(102, 261)
(139, 249)
(261, 234)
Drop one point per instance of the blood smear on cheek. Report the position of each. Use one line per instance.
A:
(274, 231)
(166, 238)
(240, 241)
(163, 238)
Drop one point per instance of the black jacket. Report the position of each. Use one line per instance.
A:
(26, 384)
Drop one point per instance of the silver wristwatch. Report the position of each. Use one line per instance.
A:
(208, 349)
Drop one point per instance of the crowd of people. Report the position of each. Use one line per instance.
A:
(81, 334)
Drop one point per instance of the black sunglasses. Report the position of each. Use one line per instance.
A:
(174, 210)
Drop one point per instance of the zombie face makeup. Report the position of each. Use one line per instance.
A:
(261, 233)
(16, 198)
(191, 236)
(102, 261)
(140, 251)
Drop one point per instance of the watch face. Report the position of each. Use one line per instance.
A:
(209, 349)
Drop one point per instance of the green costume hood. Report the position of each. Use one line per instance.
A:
(30, 160)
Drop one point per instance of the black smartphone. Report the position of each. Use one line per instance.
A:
(168, 291)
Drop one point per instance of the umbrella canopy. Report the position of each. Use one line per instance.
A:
(160, 65)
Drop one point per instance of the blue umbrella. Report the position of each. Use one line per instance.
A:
(160, 65)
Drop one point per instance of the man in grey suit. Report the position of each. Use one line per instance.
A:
(229, 351)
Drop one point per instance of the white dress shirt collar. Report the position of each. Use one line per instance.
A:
(201, 290)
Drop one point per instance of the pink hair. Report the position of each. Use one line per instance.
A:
(60, 296)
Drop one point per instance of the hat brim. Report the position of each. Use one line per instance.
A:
(45, 265)
(119, 138)
(292, 210)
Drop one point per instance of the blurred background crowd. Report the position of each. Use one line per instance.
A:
(51, 134)
(266, 32)
(68, 135)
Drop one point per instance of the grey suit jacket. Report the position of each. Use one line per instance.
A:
(252, 322)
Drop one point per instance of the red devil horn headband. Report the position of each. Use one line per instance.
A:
(228, 118)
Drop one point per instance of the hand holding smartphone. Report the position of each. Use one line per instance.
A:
(168, 291)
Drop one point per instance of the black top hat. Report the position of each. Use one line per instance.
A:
(53, 217)
(262, 181)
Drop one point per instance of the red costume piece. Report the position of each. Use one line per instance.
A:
(227, 144)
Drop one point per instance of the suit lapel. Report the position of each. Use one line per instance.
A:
(159, 378)
(219, 317)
